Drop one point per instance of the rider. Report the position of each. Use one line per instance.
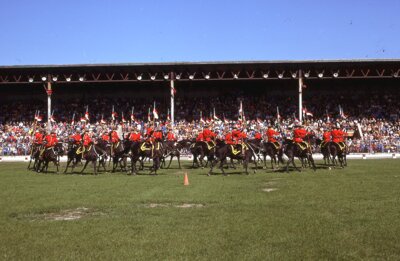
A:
(49, 141)
(338, 136)
(135, 135)
(114, 139)
(271, 135)
(77, 138)
(326, 137)
(209, 136)
(170, 135)
(299, 134)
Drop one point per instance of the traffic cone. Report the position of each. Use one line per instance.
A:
(186, 180)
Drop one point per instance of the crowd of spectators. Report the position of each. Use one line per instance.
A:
(376, 115)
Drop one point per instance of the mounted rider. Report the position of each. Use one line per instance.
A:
(50, 141)
(338, 136)
(209, 136)
(135, 136)
(299, 133)
(272, 136)
(326, 137)
(114, 140)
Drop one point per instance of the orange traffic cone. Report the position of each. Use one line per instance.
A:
(186, 180)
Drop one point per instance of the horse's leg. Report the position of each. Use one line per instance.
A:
(179, 160)
(94, 167)
(294, 165)
(84, 167)
(221, 166)
(256, 166)
(233, 164)
(265, 160)
(311, 161)
(170, 161)
(211, 168)
(68, 162)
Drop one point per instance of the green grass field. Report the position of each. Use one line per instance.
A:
(330, 214)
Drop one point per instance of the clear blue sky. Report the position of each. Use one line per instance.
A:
(100, 31)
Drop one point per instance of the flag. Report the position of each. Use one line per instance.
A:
(327, 116)
(342, 115)
(259, 121)
(215, 116)
(278, 116)
(132, 116)
(201, 117)
(225, 120)
(168, 118)
(241, 111)
(38, 117)
(87, 113)
(149, 116)
(83, 119)
(123, 118)
(73, 119)
(155, 113)
(307, 113)
(114, 114)
(102, 121)
(52, 119)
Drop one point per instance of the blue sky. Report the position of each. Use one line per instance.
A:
(105, 31)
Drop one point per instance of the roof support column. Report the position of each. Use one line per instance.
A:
(49, 92)
(300, 97)
(172, 99)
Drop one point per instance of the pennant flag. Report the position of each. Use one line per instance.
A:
(215, 116)
(327, 116)
(73, 119)
(201, 117)
(114, 114)
(155, 113)
(87, 113)
(38, 117)
(168, 117)
(83, 119)
(102, 121)
(132, 115)
(241, 111)
(149, 116)
(307, 113)
(278, 116)
(123, 118)
(259, 121)
(342, 115)
(225, 120)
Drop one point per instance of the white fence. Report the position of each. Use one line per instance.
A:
(317, 156)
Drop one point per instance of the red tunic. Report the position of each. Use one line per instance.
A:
(171, 136)
(86, 140)
(299, 135)
(200, 137)
(271, 133)
(105, 137)
(228, 139)
(337, 136)
(257, 136)
(326, 136)
(39, 138)
(114, 137)
(77, 138)
(50, 141)
(134, 137)
(157, 135)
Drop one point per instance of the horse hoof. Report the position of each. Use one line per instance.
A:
(255, 172)
(208, 174)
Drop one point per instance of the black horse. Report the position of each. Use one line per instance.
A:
(144, 149)
(293, 149)
(74, 155)
(274, 151)
(34, 156)
(339, 150)
(121, 153)
(50, 154)
(325, 150)
(92, 154)
(172, 149)
(222, 151)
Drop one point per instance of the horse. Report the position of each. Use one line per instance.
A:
(35, 152)
(338, 150)
(74, 155)
(172, 149)
(50, 154)
(292, 149)
(203, 149)
(146, 149)
(273, 150)
(121, 152)
(325, 150)
(92, 154)
(239, 152)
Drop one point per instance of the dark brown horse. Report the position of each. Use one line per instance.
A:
(293, 149)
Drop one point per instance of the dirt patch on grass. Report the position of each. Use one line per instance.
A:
(62, 215)
(269, 189)
(173, 205)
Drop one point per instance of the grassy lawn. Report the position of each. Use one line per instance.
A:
(329, 214)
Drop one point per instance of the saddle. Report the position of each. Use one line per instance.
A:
(80, 150)
(210, 144)
(276, 145)
(341, 145)
(236, 151)
(303, 145)
(146, 146)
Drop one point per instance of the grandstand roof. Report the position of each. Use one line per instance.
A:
(196, 71)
